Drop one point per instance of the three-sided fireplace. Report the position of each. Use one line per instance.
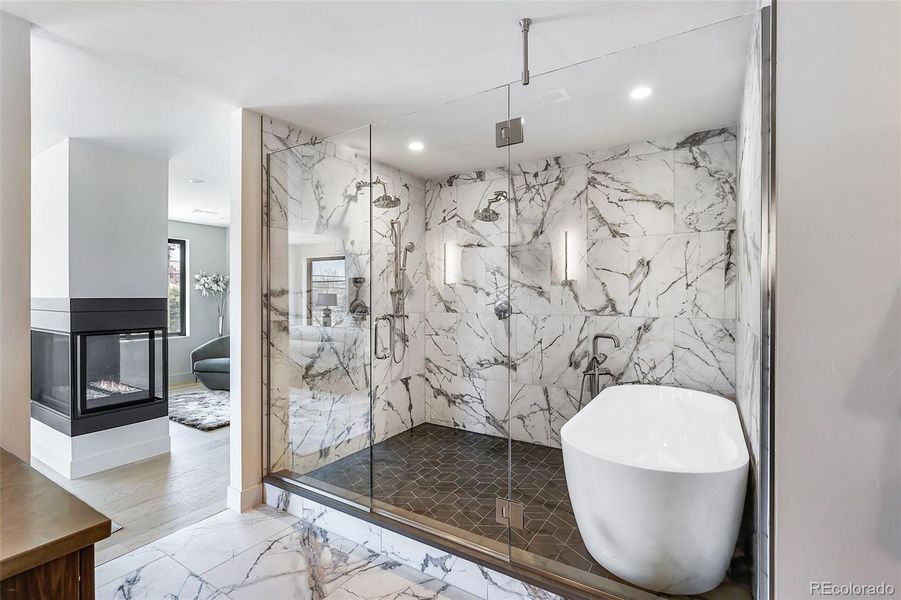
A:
(98, 363)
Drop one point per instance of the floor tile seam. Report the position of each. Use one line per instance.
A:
(143, 566)
(270, 538)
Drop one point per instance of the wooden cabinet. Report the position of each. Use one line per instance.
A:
(70, 576)
(47, 537)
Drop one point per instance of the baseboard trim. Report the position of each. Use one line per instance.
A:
(243, 500)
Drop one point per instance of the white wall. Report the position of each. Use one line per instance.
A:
(118, 203)
(207, 251)
(838, 304)
(50, 222)
(15, 245)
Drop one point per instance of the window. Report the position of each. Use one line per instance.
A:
(177, 273)
(326, 291)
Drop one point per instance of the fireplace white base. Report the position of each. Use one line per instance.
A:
(74, 457)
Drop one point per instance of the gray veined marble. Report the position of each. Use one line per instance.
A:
(631, 196)
(162, 578)
(705, 187)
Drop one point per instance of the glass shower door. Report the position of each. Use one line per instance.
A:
(319, 314)
(441, 283)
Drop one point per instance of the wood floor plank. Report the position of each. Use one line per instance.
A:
(157, 496)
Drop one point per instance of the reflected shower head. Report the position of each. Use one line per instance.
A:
(488, 214)
(386, 201)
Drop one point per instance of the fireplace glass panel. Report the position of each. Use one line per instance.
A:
(50, 365)
(119, 369)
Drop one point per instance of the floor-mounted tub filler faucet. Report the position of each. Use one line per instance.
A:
(595, 369)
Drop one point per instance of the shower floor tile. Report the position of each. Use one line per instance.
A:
(454, 476)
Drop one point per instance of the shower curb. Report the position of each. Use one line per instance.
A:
(554, 584)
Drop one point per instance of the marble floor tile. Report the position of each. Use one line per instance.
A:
(161, 578)
(305, 562)
(212, 541)
(121, 566)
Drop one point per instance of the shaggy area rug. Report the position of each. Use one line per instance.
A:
(201, 409)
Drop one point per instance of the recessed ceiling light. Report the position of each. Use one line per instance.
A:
(194, 180)
(641, 92)
(416, 146)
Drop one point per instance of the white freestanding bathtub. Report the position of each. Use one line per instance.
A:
(657, 480)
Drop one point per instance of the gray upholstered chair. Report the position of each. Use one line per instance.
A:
(211, 363)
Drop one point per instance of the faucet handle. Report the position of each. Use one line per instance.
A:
(600, 357)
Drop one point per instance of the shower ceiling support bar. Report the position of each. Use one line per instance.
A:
(525, 23)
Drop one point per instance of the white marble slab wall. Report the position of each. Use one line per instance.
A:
(320, 377)
(398, 382)
(635, 240)
(749, 315)
(749, 201)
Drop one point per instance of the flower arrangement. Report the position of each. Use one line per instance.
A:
(215, 285)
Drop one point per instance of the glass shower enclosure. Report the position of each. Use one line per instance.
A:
(433, 290)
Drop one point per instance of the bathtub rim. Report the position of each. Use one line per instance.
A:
(740, 462)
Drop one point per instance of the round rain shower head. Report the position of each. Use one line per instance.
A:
(488, 215)
(386, 201)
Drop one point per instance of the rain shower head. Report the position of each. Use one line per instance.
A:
(488, 214)
(386, 200)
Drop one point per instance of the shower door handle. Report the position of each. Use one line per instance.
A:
(376, 339)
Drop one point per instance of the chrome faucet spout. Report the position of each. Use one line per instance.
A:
(603, 336)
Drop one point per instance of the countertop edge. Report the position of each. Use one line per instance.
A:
(52, 550)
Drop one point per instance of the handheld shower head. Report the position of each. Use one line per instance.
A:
(410, 247)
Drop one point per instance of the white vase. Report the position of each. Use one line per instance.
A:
(221, 324)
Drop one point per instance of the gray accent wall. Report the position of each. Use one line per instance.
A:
(207, 250)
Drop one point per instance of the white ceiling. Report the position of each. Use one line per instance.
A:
(164, 75)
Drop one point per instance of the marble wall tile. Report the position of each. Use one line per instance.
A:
(546, 201)
(705, 355)
(607, 277)
(550, 349)
(389, 580)
(442, 354)
(434, 563)
(749, 247)
(282, 500)
(456, 402)
(530, 277)
(678, 275)
(631, 196)
(705, 187)
(538, 413)
(649, 349)
(483, 346)
(681, 140)
(358, 531)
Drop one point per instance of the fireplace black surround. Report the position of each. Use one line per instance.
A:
(98, 363)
